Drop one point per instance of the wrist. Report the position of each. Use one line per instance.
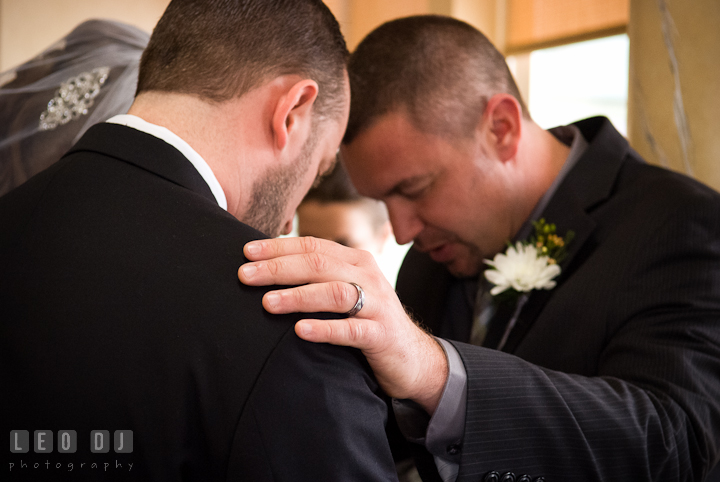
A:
(432, 375)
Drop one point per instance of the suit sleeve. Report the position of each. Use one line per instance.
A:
(315, 414)
(652, 413)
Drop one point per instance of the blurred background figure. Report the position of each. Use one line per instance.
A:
(47, 103)
(334, 210)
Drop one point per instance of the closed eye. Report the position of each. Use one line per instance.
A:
(414, 187)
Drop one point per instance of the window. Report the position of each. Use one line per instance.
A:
(571, 82)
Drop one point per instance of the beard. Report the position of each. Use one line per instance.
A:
(271, 193)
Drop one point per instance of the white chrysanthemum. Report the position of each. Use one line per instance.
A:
(522, 269)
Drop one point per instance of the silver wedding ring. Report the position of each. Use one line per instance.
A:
(360, 301)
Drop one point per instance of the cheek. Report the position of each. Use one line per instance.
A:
(305, 184)
(293, 201)
(446, 206)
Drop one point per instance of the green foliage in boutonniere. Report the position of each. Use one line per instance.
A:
(528, 265)
(548, 242)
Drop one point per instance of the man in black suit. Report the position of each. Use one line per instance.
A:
(606, 369)
(128, 348)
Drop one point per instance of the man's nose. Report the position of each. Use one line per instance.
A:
(405, 221)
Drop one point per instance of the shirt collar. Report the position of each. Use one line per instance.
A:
(174, 140)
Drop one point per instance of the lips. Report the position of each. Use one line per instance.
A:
(442, 254)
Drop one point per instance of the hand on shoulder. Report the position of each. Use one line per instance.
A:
(408, 362)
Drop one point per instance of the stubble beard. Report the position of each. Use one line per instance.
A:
(271, 193)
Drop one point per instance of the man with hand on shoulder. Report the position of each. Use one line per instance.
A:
(605, 366)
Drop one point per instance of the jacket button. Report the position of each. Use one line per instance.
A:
(492, 477)
(524, 478)
(453, 449)
(507, 477)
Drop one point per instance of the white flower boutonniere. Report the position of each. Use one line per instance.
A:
(529, 265)
(523, 268)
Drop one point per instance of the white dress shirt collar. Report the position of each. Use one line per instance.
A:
(174, 140)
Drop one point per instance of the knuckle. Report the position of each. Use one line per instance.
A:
(269, 247)
(373, 334)
(316, 263)
(274, 267)
(366, 257)
(300, 297)
(309, 244)
(357, 330)
(339, 294)
(330, 330)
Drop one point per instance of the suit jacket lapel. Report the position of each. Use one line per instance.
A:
(570, 214)
(146, 152)
(588, 184)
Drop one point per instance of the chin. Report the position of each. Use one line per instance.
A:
(467, 263)
(461, 269)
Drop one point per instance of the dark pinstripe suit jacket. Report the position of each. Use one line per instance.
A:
(614, 375)
(120, 309)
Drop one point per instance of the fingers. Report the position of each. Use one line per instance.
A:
(312, 267)
(358, 333)
(273, 248)
(295, 269)
(333, 297)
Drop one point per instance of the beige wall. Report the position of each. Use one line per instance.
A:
(364, 15)
(27, 27)
(488, 16)
(368, 14)
(341, 10)
(674, 73)
(674, 106)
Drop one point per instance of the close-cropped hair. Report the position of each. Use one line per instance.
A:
(439, 71)
(221, 49)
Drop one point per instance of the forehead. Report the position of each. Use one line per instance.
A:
(391, 151)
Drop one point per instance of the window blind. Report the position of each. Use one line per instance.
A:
(534, 24)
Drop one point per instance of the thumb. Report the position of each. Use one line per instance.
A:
(355, 332)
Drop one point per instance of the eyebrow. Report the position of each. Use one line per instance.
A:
(405, 183)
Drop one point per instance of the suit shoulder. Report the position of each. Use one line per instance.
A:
(315, 413)
(673, 186)
(651, 197)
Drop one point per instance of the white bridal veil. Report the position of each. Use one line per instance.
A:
(47, 103)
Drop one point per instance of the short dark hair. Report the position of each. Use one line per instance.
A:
(439, 70)
(222, 49)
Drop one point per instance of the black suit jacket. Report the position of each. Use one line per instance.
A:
(121, 309)
(615, 373)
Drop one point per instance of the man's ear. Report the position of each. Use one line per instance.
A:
(503, 125)
(292, 117)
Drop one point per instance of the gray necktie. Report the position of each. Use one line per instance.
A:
(483, 311)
